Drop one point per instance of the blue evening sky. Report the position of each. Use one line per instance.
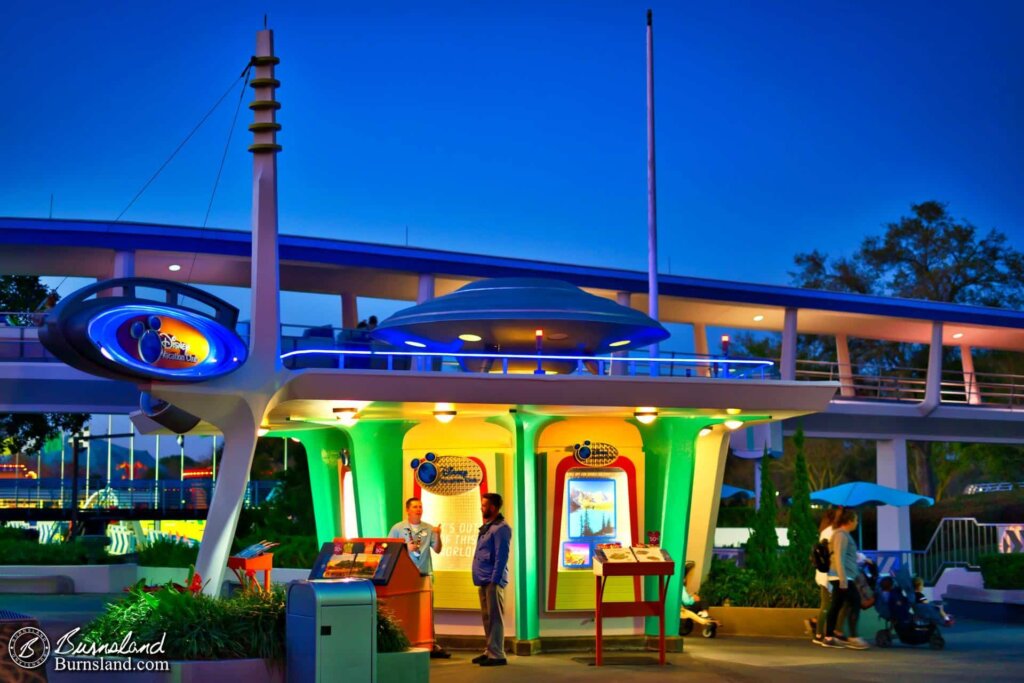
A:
(519, 128)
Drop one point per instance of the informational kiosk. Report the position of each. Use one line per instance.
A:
(613, 560)
(400, 587)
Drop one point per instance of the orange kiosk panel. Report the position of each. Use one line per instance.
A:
(400, 587)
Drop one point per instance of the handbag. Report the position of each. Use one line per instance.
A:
(867, 596)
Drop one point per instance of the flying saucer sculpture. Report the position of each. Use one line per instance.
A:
(508, 315)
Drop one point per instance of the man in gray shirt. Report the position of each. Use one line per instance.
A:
(421, 538)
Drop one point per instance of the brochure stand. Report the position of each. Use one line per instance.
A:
(399, 585)
(245, 567)
(623, 562)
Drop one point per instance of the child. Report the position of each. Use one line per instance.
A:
(920, 599)
(694, 604)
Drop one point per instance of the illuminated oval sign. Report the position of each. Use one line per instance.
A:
(595, 454)
(447, 475)
(129, 337)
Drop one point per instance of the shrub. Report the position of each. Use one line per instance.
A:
(1003, 571)
(390, 636)
(198, 627)
(742, 587)
(166, 552)
(17, 549)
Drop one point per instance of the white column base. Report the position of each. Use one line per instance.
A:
(893, 522)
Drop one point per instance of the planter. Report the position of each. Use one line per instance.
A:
(411, 666)
(781, 622)
(985, 604)
(248, 670)
(87, 578)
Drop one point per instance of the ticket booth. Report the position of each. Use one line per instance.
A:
(399, 586)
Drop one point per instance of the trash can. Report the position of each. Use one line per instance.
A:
(331, 631)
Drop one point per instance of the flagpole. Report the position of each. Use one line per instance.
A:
(652, 192)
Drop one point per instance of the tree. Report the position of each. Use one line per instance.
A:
(803, 531)
(927, 255)
(27, 432)
(763, 546)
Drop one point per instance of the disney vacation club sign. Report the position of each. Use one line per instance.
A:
(129, 336)
(447, 475)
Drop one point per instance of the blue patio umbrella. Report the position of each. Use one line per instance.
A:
(735, 492)
(860, 493)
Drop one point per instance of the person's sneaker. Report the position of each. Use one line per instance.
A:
(491, 661)
(440, 653)
(831, 642)
(703, 614)
(857, 644)
(478, 659)
(817, 640)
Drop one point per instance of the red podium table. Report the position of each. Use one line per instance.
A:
(244, 567)
(608, 563)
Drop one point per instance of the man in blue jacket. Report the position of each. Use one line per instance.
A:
(490, 576)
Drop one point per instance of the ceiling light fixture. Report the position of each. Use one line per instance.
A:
(470, 337)
(347, 415)
(733, 411)
(415, 344)
(958, 335)
(645, 415)
(621, 342)
(733, 425)
(262, 431)
(705, 431)
(758, 318)
(174, 267)
(444, 412)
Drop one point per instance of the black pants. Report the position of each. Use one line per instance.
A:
(845, 601)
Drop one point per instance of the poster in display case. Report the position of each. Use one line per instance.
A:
(577, 555)
(591, 508)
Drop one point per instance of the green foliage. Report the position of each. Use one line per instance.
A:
(166, 552)
(198, 627)
(728, 584)
(16, 549)
(288, 519)
(803, 530)
(763, 547)
(1003, 571)
(390, 636)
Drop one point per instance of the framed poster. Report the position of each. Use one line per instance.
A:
(591, 508)
(576, 555)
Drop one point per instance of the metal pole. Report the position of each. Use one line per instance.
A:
(156, 480)
(214, 458)
(39, 477)
(286, 454)
(110, 444)
(181, 471)
(652, 191)
(74, 485)
(88, 465)
(63, 440)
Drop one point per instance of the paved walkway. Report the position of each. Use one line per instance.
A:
(974, 652)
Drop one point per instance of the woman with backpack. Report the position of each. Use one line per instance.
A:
(842, 577)
(820, 559)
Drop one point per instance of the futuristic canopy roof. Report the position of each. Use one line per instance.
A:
(508, 314)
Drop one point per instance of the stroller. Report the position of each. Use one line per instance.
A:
(914, 624)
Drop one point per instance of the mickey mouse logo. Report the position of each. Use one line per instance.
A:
(148, 335)
(426, 469)
(596, 454)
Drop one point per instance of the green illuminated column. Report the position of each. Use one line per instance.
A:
(323, 447)
(669, 466)
(377, 467)
(526, 429)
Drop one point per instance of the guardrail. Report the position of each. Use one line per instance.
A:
(957, 542)
(869, 382)
(194, 494)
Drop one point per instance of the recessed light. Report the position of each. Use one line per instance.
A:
(174, 267)
(621, 342)
(645, 415)
(758, 318)
(958, 335)
(470, 337)
(733, 425)
(415, 344)
(444, 412)
(733, 411)
(704, 432)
